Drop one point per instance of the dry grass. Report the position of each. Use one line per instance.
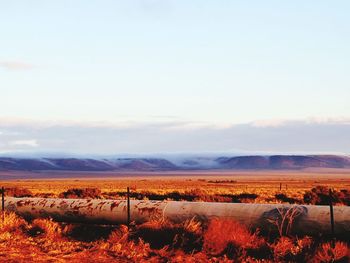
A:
(229, 238)
(159, 234)
(329, 253)
(262, 188)
(292, 249)
(43, 240)
(46, 228)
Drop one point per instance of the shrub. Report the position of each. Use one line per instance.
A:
(283, 219)
(289, 249)
(132, 251)
(246, 197)
(45, 195)
(18, 192)
(228, 198)
(81, 193)
(118, 235)
(222, 181)
(119, 245)
(12, 223)
(320, 196)
(284, 198)
(87, 232)
(46, 228)
(160, 234)
(327, 253)
(189, 238)
(229, 237)
(214, 198)
(344, 196)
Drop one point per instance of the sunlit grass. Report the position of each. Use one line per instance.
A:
(43, 240)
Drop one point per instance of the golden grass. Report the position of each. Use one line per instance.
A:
(263, 186)
(263, 183)
(43, 240)
(226, 236)
(329, 253)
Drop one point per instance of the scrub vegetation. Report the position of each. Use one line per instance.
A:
(43, 240)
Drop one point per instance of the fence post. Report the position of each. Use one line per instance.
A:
(128, 205)
(280, 186)
(3, 202)
(332, 216)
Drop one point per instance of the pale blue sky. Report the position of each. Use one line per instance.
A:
(218, 63)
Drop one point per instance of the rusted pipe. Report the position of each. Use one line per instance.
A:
(299, 219)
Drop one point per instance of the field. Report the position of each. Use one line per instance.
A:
(43, 240)
(263, 186)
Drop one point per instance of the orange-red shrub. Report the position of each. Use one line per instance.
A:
(46, 228)
(81, 193)
(327, 253)
(228, 236)
(186, 236)
(12, 223)
(18, 192)
(291, 249)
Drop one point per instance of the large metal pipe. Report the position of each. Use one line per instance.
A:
(303, 219)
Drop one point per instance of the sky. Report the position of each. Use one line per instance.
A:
(149, 76)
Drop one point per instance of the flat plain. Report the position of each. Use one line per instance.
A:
(263, 183)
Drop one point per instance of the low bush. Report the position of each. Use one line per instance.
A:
(159, 234)
(228, 237)
(219, 240)
(45, 228)
(88, 233)
(197, 195)
(329, 253)
(284, 198)
(18, 192)
(81, 193)
(289, 249)
(319, 195)
(12, 223)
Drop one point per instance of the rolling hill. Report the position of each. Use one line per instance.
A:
(170, 164)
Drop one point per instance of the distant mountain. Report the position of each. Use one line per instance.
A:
(284, 162)
(245, 162)
(170, 164)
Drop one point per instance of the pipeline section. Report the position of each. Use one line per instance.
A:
(302, 219)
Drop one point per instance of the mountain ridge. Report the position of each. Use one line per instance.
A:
(256, 162)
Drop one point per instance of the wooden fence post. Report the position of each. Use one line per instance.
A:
(128, 205)
(3, 202)
(332, 216)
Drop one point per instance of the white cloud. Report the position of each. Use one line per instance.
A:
(275, 123)
(31, 143)
(111, 138)
(269, 123)
(177, 124)
(328, 120)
